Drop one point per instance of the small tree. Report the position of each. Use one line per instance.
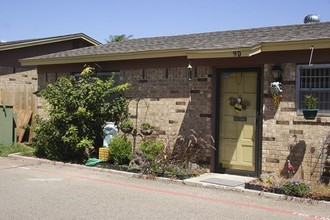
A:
(77, 112)
(118, 38)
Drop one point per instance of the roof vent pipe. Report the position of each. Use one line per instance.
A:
(312, 18)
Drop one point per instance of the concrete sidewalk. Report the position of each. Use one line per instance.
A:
(226, 180)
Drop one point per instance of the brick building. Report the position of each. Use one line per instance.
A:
(225, 91)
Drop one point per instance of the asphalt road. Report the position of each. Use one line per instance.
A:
(33, 190)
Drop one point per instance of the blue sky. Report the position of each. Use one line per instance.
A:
(26, 19)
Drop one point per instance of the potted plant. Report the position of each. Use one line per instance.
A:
(126, 126)
(311, 110)
(146, 128)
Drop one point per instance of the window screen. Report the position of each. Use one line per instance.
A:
(314, 80)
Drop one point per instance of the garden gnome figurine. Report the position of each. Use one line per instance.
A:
(110, 130)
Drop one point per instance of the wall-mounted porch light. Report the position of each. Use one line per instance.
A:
(277, 73)
(189, 67)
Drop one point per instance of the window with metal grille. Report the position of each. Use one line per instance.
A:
(314, 80)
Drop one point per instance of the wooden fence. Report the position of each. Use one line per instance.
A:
(17, 90)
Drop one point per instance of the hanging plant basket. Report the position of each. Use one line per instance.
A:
(126, 130)
(310, 114)
(126, 126)
(146, 132)
(146, 128)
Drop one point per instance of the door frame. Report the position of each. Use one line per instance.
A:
(258, 135)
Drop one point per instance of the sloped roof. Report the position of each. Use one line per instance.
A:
(201, 45)
(10, 45)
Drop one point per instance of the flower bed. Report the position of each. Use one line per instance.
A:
(297, 188)
(178, 173)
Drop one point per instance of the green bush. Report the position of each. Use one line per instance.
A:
(295, 188)
(152, 148)
(120, 150)
(77, 110)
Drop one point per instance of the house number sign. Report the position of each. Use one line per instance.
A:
(237, 53)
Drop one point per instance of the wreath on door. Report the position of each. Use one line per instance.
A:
(238, 103)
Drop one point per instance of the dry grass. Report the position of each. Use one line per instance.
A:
(319, 191)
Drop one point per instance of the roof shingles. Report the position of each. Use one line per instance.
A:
(204, 41)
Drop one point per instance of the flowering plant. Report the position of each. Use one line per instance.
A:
(296, 188)
(276, 91)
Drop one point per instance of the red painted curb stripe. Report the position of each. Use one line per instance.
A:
(292, 213)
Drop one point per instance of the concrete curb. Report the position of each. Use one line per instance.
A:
(188, 182)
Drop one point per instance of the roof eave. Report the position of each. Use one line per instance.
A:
(104, 57)
(48, 41)
(295, 45)
(257, 49)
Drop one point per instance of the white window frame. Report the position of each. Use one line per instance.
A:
(315, 80)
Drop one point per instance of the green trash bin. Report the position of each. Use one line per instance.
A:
(7, 125)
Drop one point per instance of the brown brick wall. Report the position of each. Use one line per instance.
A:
(287, 135)
(171, 102)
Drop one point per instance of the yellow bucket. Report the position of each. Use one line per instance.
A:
(104, 154)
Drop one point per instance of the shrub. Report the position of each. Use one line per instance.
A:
(162, 162)
(152, 148)
(155, 162)
(295, 188)
(77, 110)
(120, 150)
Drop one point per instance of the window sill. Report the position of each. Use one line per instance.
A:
(317, 121)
